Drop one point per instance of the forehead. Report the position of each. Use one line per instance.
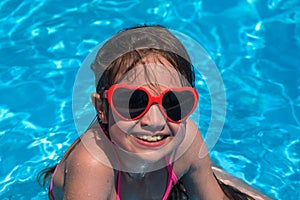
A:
(153, 73)
(153, 69)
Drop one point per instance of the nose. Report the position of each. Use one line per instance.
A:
(153, 120)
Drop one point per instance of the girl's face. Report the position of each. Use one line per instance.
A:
(152, 136)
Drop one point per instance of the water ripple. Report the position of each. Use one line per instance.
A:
(254, 43)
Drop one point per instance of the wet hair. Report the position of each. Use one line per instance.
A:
(124, 50)
(233, 193)
(128, 61)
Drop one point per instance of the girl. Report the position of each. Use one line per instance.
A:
(141, 143)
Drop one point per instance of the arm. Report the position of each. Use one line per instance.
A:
(199, 180)
(86, 178)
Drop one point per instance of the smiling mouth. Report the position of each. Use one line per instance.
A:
(148, 138)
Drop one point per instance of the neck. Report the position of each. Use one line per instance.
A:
(136, 175)
(136, 165)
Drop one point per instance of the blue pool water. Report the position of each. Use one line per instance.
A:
(255, 44)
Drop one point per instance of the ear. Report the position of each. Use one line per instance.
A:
(98, 104)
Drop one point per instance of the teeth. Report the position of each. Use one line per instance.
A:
(150, 138)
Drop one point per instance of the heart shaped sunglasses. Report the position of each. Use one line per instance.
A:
(132, 102)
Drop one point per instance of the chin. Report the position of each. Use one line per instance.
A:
(147, 159)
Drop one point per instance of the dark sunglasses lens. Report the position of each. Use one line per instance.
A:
(138, 103)
(129, 103)
(172, 106)
(178, 104)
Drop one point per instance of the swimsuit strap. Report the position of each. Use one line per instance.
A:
(171, 171)
(50, 193)
(172, 179)
(118, 189)
(104, 128)
(105, 131)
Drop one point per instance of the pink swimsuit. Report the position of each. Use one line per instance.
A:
(50, 193)
(172, 180)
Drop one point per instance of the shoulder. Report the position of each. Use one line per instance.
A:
(93, 148)
(84, 161)
(90, 155)
(193, 150)
(89, 148)
(198, 178)
(88, 174)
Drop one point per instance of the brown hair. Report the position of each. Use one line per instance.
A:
(126, 48)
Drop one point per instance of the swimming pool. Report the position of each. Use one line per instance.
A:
(255, 44)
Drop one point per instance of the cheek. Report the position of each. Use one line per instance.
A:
(177, 129)
(119, 131)
(118, 137)
(119, 126)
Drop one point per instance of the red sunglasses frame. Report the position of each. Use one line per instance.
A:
(108, 94)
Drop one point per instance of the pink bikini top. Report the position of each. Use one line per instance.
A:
(172, 180)
(50, 193)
